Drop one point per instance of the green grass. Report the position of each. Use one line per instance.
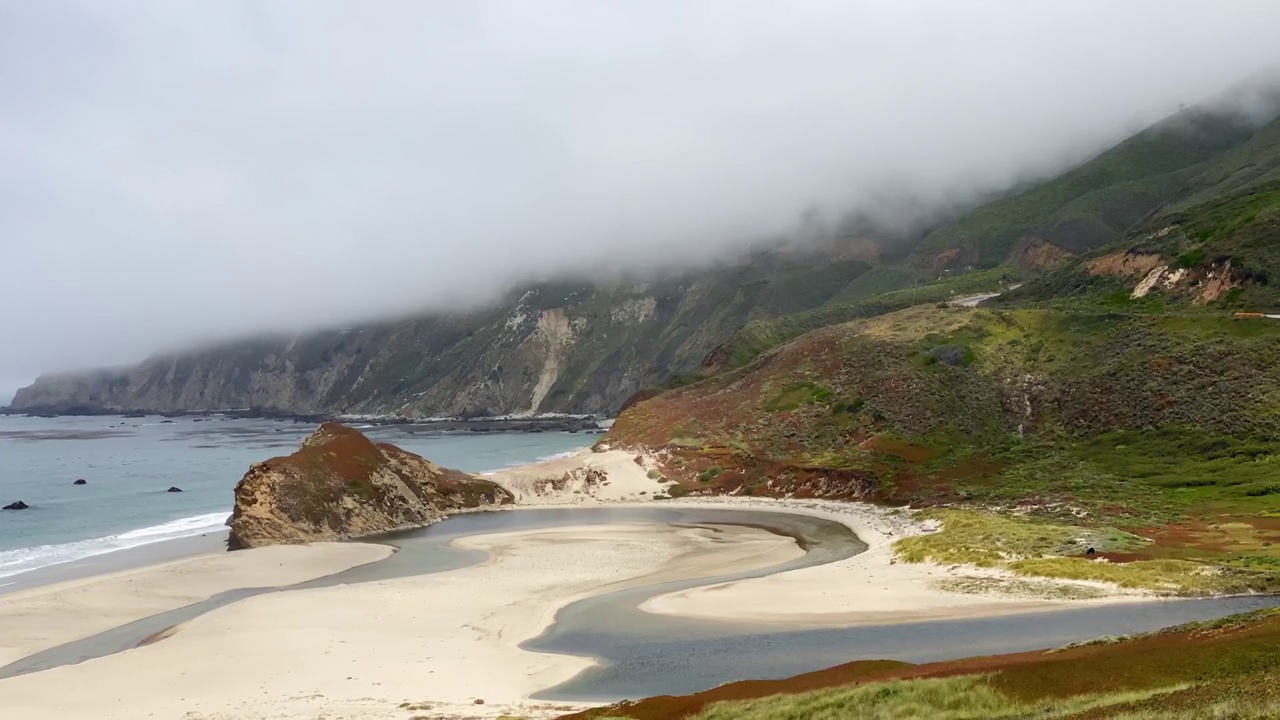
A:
(796, 395)
(988, 540)
(1010, 587)
(1169, 576)
(710, 473)
(762, 335)
(1039, 549)
(968, 697)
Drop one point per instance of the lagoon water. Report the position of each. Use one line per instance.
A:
(129, 463)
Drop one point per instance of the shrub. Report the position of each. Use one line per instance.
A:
(710, 473)
(1192, 258)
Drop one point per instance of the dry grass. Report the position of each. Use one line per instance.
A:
(989, 540)
(1030, 589)
(1166, 576)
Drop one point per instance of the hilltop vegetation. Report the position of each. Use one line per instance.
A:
(1095, 203)
(1226, 224)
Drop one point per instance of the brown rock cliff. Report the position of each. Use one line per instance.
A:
(341, 485)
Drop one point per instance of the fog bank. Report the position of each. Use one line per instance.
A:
(172, 172)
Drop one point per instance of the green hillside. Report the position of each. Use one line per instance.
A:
(1117, 421)
(1223, 225)
(1094, 203)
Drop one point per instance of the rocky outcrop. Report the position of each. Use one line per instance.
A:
(1036, 253)
(1124, 264)
(17, 505)
(341, 485)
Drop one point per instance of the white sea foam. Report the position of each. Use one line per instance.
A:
(23, 560)
(522, 463)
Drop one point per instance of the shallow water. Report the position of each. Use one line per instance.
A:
(681, 657)
(129, 463)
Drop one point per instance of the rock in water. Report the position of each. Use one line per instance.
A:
(81, 481)
(342, 485)
(174, 489)
(19, 505)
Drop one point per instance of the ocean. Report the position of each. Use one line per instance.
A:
(128, 465)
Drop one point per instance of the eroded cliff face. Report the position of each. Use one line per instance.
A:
(551, 348)
(341, 485)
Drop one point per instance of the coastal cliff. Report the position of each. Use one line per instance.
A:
(341, 485)
(547, 348)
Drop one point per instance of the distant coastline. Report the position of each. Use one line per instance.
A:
(547, 422)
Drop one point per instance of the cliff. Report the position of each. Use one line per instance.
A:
(569, 347)
(341, 485)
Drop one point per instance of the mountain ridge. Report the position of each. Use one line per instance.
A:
(583, 348)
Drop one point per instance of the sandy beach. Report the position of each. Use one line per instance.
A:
(41, 618)
(436, 642)
(436, 645)
(868, 588)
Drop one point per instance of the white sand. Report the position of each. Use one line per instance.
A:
(869, 588)
(361, 651)
(569, 479)
(44, 617)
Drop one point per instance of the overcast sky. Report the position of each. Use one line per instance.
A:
(173, 171)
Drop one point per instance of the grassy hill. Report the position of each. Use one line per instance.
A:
(1225, 224)
(1125, 421)
(1095, 203)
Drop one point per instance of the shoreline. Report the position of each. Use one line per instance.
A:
(547, 422)
(61, 612)
(432, 641)
(309, 641)
(132, 558)
(874, 588)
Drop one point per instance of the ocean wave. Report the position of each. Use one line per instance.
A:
(27, 559)
(535, 461)
(556, 456)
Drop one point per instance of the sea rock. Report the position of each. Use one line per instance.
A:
(174, 489)
(18, 505)
(341, 485)
(80, 481)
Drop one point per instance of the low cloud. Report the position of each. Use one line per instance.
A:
(172, 172)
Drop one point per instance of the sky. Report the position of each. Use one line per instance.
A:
(175, 172)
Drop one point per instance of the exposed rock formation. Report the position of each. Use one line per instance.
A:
(17, 505)
(1036, 253)
(342, 485)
